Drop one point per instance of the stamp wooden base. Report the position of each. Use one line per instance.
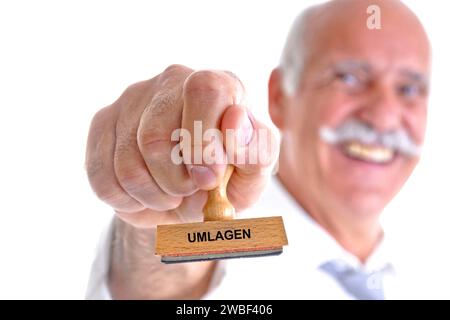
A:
(219, 236)
(220, 239)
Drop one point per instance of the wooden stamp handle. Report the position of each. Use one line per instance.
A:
(218, 207)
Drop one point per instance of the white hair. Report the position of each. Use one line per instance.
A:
(293, 55)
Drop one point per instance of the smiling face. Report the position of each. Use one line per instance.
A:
(375, 77)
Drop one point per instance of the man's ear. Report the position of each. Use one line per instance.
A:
(276, 98)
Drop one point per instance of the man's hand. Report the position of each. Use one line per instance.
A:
(129, 149)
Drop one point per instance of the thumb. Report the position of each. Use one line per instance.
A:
(252, 147)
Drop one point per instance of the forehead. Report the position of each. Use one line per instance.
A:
(341, 33)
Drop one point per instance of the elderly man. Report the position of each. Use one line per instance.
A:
(350, 101)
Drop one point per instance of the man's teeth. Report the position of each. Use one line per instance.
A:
(371, 153)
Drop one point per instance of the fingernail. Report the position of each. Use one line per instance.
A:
(203, 176)
(247, 129)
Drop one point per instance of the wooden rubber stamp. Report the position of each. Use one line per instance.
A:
(220, 236)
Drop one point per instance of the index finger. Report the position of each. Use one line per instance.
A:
(207, 94)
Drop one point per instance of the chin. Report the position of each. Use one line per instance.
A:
(364, 204)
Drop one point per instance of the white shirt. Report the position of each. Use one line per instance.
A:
(294, 274)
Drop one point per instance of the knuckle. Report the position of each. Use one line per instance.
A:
(161, 202)
(173, 76)
(136, 182)
(125, 143)
(162, 103)
(136, 88)
(180, 187)
(131, 179)
(152, 129)
(206, 83)
(134, 93)
(101, 117)
(151, 142)
(108, 195)
(176, 68)
(170, 204)
(99, 138)
(114, 197)
(94, 165)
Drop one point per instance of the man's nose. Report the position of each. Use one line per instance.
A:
(382, 109)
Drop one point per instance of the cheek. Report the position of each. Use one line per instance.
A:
(415, 123)
(332, 107)
(305, 118)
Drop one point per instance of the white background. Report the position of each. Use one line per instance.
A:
(60, 61)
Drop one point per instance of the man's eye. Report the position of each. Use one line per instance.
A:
(348, 79)
(410, 90)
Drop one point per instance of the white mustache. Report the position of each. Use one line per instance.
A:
(356, 130)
